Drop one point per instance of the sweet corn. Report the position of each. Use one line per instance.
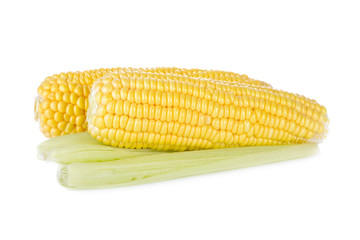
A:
(62, 101)
(171, 112)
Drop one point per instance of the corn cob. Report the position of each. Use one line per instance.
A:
(62, 101)
(172, 112)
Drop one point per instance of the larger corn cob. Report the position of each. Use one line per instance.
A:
(62, 102)
(171, 112)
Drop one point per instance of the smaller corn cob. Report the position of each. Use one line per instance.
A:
(169, 112)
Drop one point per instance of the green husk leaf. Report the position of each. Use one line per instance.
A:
(170, 165)
(81, 147)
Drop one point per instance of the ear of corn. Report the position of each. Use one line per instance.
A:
(145, 117)
(63, 98)
(170, 112)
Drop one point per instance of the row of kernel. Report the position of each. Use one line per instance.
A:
(240, 89)
(268, 119)
(205, 106)
(65, 104)
(121, 135)
(176, 114)
(201, 112)
(53, 130)
(221, 96)
(198, 73)
(218, 96)
(221, 137)
(206, 132)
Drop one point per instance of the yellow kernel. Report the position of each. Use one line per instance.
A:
(79, 129)
(100, 111)
(66, 117)
(45, 104)
(108, 119)
(137, 125)
(62, 125)
(242, 139)
(126, 107)
(163, 114)
(133, 138)
(104, 133)
(81, 102)
(98, 97)
(119, 135)
(78, 111)
(223, 123)
(158, 125)
(116, 94)
(119, 107)
(99, 122)
(110, 107)
(188, 117)
(111, 134)
(215, 123)
(70, 109)
(127, 136)
(72, 119)
(116, 122)
(79, 90)
(229, 138)
(187, 131)
(181, 130)
(62, 107)
(106, 98)
(124, 93)
(58, 96)
(51, 123)
(59, 117)
(150, 126)
(123, 121)
(54, 87)
(221, 111)
(133, 110)
(99, 138)
(194, 117)
(71, 86)
(130, 125)
(64, 88)
(107, 88)
(242, 113)
(48, 113)
(55, 132)
(73, 98)
(222, 136)
(241, 127)
(66, 97)
(45, 128)
(164, 128)
(116, 83)
(292, 126)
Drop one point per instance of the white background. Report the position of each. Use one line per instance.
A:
(309, 47)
